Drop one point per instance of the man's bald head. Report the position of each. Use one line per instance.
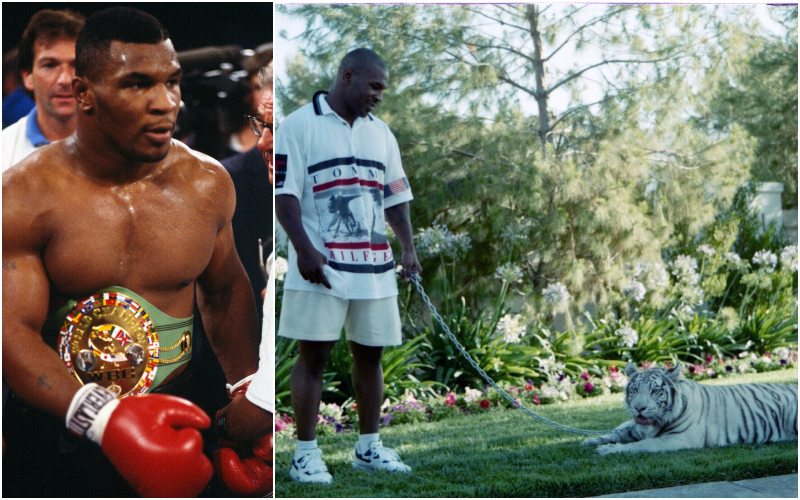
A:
(359, 60)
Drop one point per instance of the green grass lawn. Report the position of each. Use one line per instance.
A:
(505, 453)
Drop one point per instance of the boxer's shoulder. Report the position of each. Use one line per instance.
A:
(36, 178)
(202, 173)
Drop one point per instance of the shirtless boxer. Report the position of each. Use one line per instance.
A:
(118, 208)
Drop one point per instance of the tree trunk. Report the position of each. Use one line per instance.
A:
(538, 67)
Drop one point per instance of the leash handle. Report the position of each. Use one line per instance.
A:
(416, 279)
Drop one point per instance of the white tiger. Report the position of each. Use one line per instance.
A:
(672, 413)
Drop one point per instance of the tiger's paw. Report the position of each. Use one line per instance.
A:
(592, 441)
(608, 449)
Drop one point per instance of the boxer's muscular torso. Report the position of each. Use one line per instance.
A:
(67, 234)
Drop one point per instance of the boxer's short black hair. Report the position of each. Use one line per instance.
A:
(123, 24)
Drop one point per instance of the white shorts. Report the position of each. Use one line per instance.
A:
(321, 317)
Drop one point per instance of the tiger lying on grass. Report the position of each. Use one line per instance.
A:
(672, 413)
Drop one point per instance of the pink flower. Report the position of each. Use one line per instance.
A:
(485, 404)
(646, 365)
(354, 406)
(528, 387)
(280, 425)
(697, 369)
(288, 419)
(585, 376)
(709, 358)
(588, 388)
(536, 399)
(613, 369)
(450, 399)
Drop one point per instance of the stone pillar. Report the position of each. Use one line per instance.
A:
(767, 203)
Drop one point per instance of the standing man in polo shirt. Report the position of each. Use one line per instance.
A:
(47, 65)
(338, 181)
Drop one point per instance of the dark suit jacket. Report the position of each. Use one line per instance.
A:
(253, 216)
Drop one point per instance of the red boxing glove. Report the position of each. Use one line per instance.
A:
(251, 476)
(152, 440)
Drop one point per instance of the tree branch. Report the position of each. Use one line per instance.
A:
(585, 26)
(603, 63)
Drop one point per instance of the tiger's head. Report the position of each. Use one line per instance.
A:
(652, 394)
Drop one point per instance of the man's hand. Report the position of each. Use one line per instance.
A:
(242, 421)
(243, 463)
(410, 263)
(310, 262)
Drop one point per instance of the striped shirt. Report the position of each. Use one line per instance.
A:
(344, 178)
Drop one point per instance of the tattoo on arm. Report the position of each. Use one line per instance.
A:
(43, 382)
(9, 264)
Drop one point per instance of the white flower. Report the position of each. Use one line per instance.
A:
(686, 312)
(692, 295)
(781, 352)
(516, 231)
(733, 258)
(511, 328)
(789, 258)
(628, 336)
(685, 269)
(508, 272)
(555, 294)
(281, 268)
(634, 291)
(766, 259)
(682, 264)
(438, 239)
(471, 395)
(546, 364)
(652, 274)
(550, 392)
(706, 250)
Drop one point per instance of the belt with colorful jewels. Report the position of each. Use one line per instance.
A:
(120, 341)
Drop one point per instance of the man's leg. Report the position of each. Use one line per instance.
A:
(305, 384)
(368, 384)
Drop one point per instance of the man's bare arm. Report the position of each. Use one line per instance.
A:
(309, 259)
(228, 307)
(30, 367)
(398, 218)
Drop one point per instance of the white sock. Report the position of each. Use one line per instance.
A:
(365, 439)
(304, 447)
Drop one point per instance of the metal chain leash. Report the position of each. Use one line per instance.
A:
(416, 279)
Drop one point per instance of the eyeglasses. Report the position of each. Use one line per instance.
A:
(257, 125)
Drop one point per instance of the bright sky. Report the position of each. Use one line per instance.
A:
(287, 49)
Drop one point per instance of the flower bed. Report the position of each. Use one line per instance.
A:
(334, 418)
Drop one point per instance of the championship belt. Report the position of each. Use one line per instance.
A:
(109, 339)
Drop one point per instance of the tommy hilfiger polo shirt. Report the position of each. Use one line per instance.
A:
(344, 178)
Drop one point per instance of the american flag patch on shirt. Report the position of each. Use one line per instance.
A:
(280, 170)
(395, 187)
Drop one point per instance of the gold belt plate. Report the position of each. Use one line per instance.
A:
(109, 339)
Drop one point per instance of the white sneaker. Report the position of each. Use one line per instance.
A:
(379, 458)
(310, 468)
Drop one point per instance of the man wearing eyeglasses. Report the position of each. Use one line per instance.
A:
(338, 181)
(252, 220)
(248, 419)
